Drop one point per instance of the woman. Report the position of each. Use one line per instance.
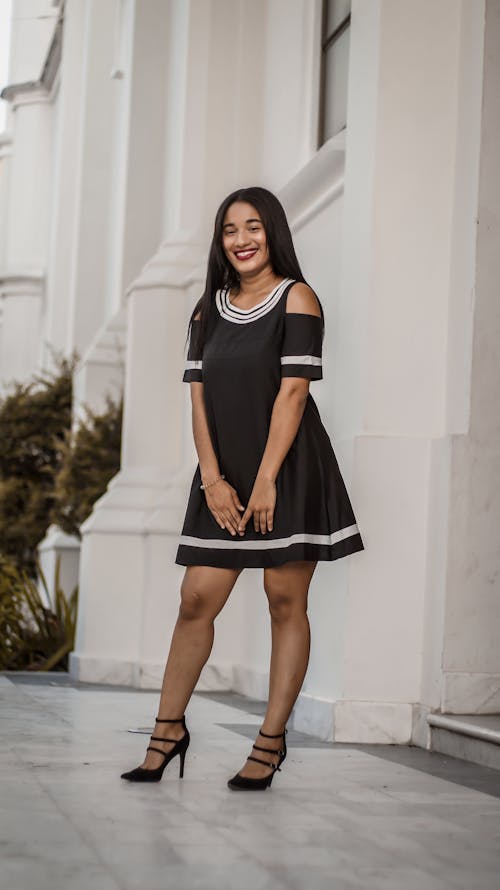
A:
(267, 491)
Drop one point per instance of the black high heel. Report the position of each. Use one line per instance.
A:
(245, 783)
(143, 774)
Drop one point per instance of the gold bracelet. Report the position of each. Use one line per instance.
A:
(208, 484)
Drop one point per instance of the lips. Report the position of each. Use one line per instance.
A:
(245, 254)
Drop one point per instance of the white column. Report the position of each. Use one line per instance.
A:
(214, 123)
(129, 582)
(93, 171)
(115, 571)
(22, 280)
(101, 373)
(118, 200)
(405, 193)
(471, 654)
(65, 182)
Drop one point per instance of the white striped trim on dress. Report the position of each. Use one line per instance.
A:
(244, 316)
(300, 538)
(193, 363)
(300, 360)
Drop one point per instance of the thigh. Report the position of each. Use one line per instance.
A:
(290, 581)
(205, 589)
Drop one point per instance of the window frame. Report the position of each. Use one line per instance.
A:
(326, 43)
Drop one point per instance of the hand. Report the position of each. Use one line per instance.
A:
(224, 503)
(261, 505)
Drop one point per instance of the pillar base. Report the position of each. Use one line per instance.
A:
(57, 544)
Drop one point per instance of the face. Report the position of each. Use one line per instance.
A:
(244, 238)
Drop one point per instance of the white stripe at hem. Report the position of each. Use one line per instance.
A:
(300, 360)
(277, 543)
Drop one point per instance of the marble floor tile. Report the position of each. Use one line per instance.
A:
(349, 817)
(30, 873)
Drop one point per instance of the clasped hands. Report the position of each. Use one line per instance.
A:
(224, 504)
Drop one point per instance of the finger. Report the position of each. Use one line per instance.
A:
(263, 521)
(217, 518)
(244, 519)
(270, 520)
(256, 521)
(230, 523)
(235, 519)
(237, 503)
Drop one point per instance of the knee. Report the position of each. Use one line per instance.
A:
(194, 603)
(282, 605)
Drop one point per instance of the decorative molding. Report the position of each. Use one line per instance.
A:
(30, 92)
(22, 284)
(316, 184)
(53, 57)
(177, 264)
(108, 346)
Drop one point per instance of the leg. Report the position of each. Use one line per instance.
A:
(204, 591)
(287, 590)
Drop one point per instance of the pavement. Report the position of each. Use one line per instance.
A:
(337, 816)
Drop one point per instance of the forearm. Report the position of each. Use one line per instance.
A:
(286, 416)
(209, 465)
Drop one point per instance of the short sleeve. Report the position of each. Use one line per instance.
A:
(301, 349)
(193, 364)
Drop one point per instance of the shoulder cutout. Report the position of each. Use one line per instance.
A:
(197, 316)
(301, 298)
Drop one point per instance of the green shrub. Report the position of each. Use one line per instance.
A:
(89, 459)
(34, 637)
(34, 418)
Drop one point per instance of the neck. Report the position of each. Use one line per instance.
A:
(254, 284)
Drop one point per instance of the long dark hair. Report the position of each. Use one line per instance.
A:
(220, 272)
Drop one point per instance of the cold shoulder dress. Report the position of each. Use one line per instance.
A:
(243, 361)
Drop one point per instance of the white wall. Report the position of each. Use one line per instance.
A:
(471, 654)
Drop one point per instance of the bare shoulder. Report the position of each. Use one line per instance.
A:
(197, 316)
(301, 298)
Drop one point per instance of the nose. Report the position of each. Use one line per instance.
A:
(242, 240)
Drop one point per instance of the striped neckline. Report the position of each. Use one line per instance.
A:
(243, 316)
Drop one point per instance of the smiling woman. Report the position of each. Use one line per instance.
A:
(258, 425)
(267, 491)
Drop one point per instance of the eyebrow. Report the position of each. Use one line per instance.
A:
(251, 220)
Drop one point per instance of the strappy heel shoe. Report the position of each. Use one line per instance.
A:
(143, 774)
(245, 783)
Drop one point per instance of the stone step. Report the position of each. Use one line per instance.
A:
(472, 737)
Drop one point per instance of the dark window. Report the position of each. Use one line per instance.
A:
(335, 33)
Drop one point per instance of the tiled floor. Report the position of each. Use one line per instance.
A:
(338, 817)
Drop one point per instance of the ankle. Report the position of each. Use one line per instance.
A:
(272, 731)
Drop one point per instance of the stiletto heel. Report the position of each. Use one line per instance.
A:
(245, 783)
(143, 774)
(182, 758)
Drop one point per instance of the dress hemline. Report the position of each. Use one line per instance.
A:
(258, 559)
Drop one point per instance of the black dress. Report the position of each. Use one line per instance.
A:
(243, 361)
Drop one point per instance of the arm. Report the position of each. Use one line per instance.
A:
(286, 416)
(209, 465)
(222, 499)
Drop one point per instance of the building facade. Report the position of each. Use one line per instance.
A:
(377, 125)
